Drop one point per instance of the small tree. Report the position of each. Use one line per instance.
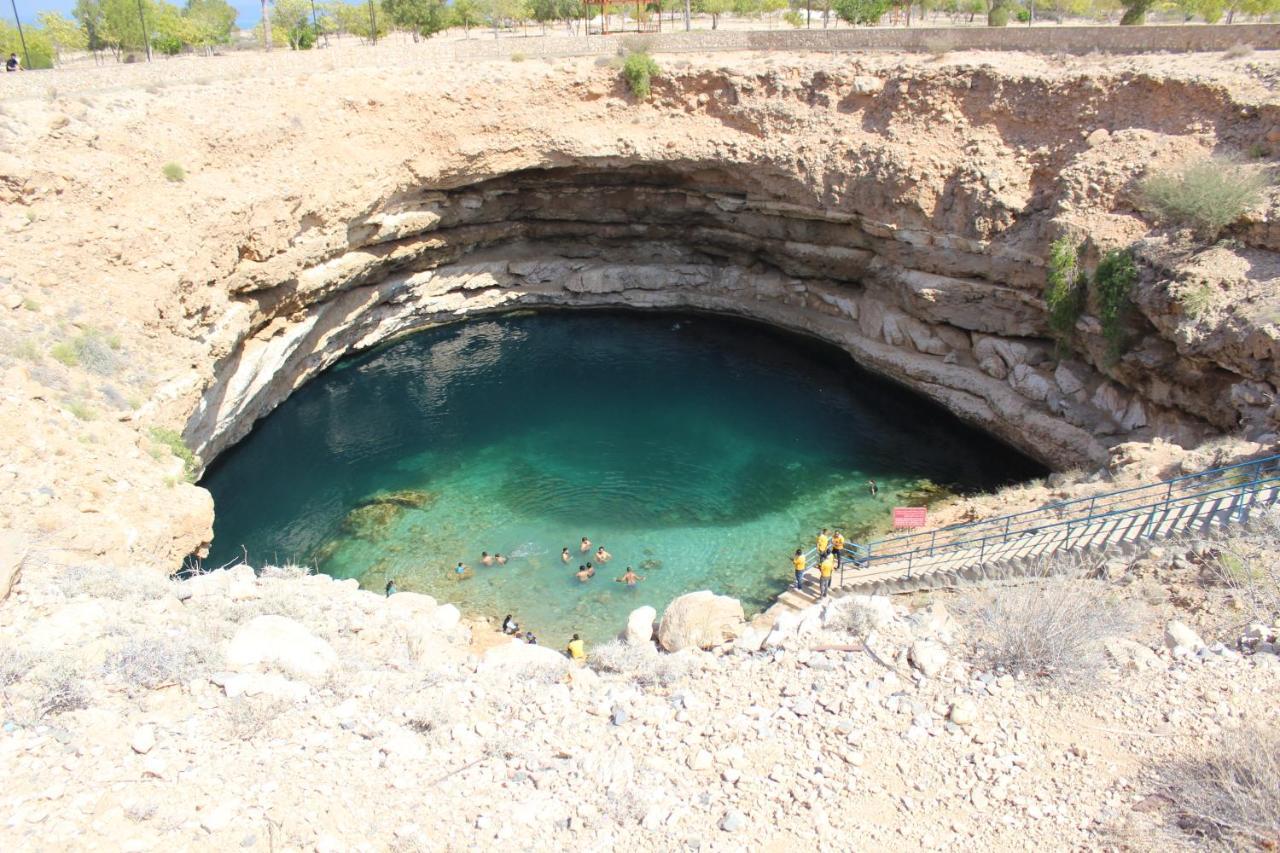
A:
(1135, 11)
(638, 69)
(466, 14)
(64, 34)
(864, 12)
(423, 18)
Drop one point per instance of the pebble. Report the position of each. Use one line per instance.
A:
(144, 740)
(733, 821)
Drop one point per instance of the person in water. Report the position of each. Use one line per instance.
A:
(837, 547)
(461, 572)
(391, 588)
(797, 563)
(509, 626)
(873, 488)
(530, 639)
(602, 555)
(585, 546)
(576, 649)
(824, 543)
(564, 555)
(485, 558)
(586, 573)
(630, 578)
(825, 569)
(500, 560)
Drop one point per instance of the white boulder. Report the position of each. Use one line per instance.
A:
(283, 643)
(928, 657)
(639, 628)
(1180, 634)
(700, 620)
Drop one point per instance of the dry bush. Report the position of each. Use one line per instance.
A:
(147, 662)
(112, 584)
(432, 714)
(1237, 51)
(248, 718)
(1244, 558)
(642, 664)
(855, 620)
(287, 572)
(60, 689)
(1206, 196)
(14, 664)
(1229, 798)
(1049, 625)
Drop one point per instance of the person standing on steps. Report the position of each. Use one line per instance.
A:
(391, 588)
(873, 489)
(824, 543)
(576, 649)
(825, 569)
(837, 547)
(797, 563)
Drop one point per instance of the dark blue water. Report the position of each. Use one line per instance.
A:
(702, 451)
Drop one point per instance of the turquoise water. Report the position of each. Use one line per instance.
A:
(701, 451)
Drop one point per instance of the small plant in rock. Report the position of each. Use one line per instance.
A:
(168, 438)
(518, 57)
(92, 350)
(1228, 797)
(1113, 283)
(1205, 196)
(643, 664)
(854, 620)
(174, 173)
(639, 69)
(1065, 288)
(1196, 300)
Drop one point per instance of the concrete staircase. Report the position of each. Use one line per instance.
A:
(1013, 545)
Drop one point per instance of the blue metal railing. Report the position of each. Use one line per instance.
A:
(1151, 505)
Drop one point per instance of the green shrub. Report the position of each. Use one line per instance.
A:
(1206, 196)
(638, 69)
(793, 18)
(174, 172)
(1196, 301)
(171, 439)
(92, 350)
(517, 57)
(82, 410)
(1112, 285)
(1064, 291)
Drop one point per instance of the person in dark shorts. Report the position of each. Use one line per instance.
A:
(12, 64)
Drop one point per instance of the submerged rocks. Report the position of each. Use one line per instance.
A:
(700, 620)
(281, 642)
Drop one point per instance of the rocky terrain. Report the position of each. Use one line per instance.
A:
(178, 259)
(899, 207)
(293, 712)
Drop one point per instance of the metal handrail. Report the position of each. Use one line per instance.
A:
(1133, 499)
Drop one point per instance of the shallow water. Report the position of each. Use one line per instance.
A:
(701, 451)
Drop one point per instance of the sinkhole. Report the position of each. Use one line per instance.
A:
(699, 450)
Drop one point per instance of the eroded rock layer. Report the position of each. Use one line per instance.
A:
(901, 210)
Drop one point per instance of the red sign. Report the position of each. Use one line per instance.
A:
(908, 516)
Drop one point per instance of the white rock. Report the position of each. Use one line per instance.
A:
(639, 630)
(733, 821)
(928, 657)
(700, 760)
(700, 620)
(1127, 653)
(1067, 380)
(445, 617)
(1180, 634)
(144, 740)
(281, 642)
(964, 711)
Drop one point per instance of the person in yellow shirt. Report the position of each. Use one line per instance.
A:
(797, 563)
(577, 650)
(825, 568)
(824, 542)
(837, 546)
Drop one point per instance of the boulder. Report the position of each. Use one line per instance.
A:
(639, 630)
(519, 655)
(414, 603)
(1030, 383)
(1180, 634)
(12, 553)
(1127, 654)
(700, 620)
(928, 657)
(964, 711)
(281, 642)
(1068, 380)
(444, 618)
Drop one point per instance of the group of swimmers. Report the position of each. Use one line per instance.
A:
(831, 557)
(586, 571)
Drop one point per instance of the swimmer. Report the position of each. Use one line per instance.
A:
(485, 558)
(586, 573)
(585, 546)
(873, 488)
(501, 560)
(630, 578)
(509, 626)
(564, 555)
(602, 555)
(461, 572)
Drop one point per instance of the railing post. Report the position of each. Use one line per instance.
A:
(911, 558)
(982, 551)
(1007, 520)
(1092, 500)
(932, 538)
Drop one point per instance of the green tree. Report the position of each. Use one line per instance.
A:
(172, 30)
(64, 34)
(1135, 11)
(39, 53)
(121, 29)
(211, 22)
(714, 8)
(292, 18)
(864, 12)
(423, 18)
(466, 14)
(998, 14)
(88, 14)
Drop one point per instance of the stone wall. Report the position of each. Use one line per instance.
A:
(1077, 40)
